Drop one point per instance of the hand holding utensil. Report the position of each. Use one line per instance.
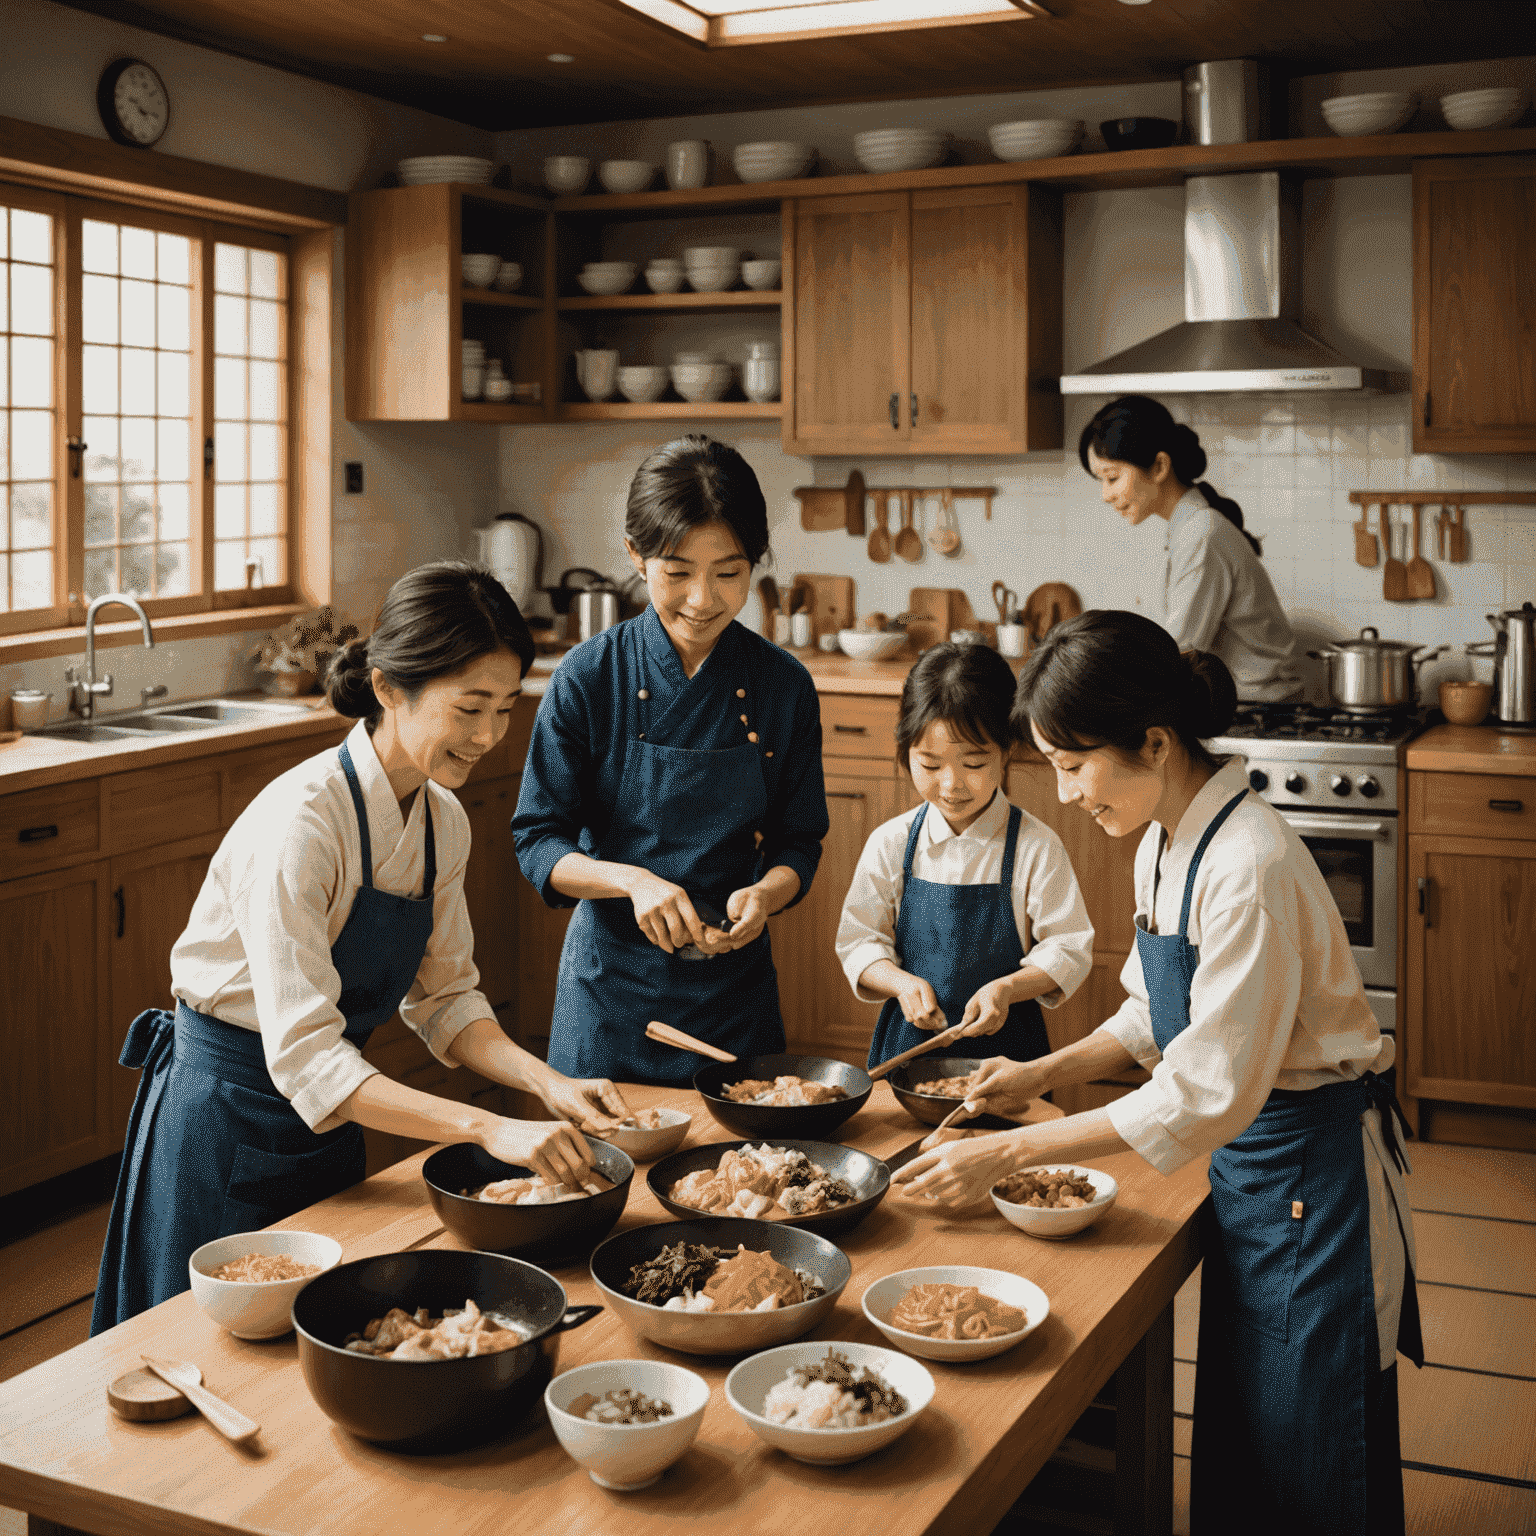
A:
(664, 1034)
(187, 1379)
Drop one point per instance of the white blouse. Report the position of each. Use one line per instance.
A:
(1047, 904)
(1218, 597)
(1276, 1002)
(256, 952)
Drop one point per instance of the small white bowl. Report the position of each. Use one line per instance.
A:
(748, 1385)
(1001, 1285)
(567, 174)
(772, 160)
(626, 175)
(480, 271)
(646, 1146)
(1369, 113)
(605, 283)
(761, 274)
(510, 278)
(256, 1309)
(641, 385)
(1040, 1221)
(870, 644)
(1496, 106)
(627, 1457)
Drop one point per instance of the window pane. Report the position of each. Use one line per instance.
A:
(32, 445)
(266, 392)
(229, 512)
(175, 384)
(138, 314)
(229, 388)
(98, 309)
(32, 580)
(266, 453)
(138, 451)
(32, 300)
(229, 269)
(175, 259)
(175, 318)
(171, 460)
(100, 434)
(31, 516)
(138, 517)
(175, 513)
(229, 451)
(138, 365)
(138, 252)
(266, 335)
(98, 246)
(100, 514)
(173, 570)
(100, 571)
(266, 509)
(98, 379)
(31, 371)
(229, 326)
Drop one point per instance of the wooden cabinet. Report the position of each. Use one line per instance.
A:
(924, 322)
(1474, 306)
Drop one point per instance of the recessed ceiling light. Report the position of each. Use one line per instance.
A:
(562, 58)
(721, 23)
(433, 37)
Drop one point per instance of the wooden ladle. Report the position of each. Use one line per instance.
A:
(909, 542)
(880, 534)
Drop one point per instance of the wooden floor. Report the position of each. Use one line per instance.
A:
(1468, 1418)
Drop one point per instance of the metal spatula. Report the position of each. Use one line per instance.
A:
(1394, 579)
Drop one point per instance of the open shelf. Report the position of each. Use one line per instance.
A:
(669, 410)
(769, 298)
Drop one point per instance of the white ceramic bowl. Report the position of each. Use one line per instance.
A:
(1043, 1221)
(881, 1298)
(697, 382)
(567, 173)
(747, 1387)
(641, 385)
(256, 1309)
(1497, 106)
(1035, 139)
(601, 283)
(1371, 112)
(772, 160)
(870, 644)
(626, 1457)
(664, 279)
(510, 278)
(761, 274)
(626, 175)
(647, 1146)
(480, 270)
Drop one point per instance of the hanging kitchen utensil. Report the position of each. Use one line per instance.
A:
(1394, 577)
(1365, 540)
(945, 538)
(1458, 534)
(880, 536)
(909, 543)
(1421, 574)
(1007, 602)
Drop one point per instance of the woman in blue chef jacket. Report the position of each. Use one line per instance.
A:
(675, 758)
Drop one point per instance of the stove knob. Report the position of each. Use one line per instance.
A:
(1340, 785)
(1258, 779)
(1368, 786)
(1295, 783)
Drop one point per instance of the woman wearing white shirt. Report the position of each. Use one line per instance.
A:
(1217, 595)
(1247, 1006)
(309, 932)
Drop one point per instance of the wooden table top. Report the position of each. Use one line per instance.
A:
(66, 1457)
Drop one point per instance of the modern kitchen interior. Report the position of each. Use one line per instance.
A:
(299, 300)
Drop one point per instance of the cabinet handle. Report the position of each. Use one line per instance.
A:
(863, 730)
(1512, 806)
(914, 410)
(895, 412)
(36, 834)
(1424, 912)
(122, 909)
(845, 794)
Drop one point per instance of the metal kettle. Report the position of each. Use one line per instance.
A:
(1514, 665)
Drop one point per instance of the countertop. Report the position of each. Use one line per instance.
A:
(1473, 749)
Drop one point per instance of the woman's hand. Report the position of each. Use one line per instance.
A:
(553, 1148)
(1005, 1087)
(960, 1173)
(665, 915)
(591, 1104)
(987, 1011)
(748, 912)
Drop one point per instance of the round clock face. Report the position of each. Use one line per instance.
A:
(140, 104)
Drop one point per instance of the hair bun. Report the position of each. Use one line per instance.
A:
(349, 681)
(1212, 694)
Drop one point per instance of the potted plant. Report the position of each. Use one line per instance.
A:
(299, 653)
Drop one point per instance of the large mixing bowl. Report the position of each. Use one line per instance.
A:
(430, 1405)
(809, 1122)
(721, 1333)
(930, 1108)
(868, 1175)
(543, 1233)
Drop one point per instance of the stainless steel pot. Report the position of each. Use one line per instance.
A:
(1371, 676)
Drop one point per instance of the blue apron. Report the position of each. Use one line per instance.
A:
(958, 938)
(1289, 1396)
(213, 1148)
(691, 818)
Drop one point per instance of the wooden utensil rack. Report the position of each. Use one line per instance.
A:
(824, 507)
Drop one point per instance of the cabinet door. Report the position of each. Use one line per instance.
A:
(848, 368)
(821, 1014)
(1471, 1008)
(54, 1017)
(152, 896)
(1474, 306)
(490, 885)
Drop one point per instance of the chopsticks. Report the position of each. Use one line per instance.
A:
(666, 1035)
(944, 1037)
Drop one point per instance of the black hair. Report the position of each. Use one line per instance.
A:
(433, 621)
(1135, 429)
(966, 687)
(1105, 678)
(686, 483)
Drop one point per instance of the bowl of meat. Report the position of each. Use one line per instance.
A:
(807, 1097)
(930, 1087)
(720, 1287)
(433, 1350)
(501, 1208)
(818, 1185)
(955, 1312)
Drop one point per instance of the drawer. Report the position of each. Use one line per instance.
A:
(853, 725)
(44, 828)
(162, 805)
(1472, 805)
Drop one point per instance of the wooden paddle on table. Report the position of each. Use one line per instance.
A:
(664, 1034)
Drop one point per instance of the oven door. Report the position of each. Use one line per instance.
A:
(1358, 858)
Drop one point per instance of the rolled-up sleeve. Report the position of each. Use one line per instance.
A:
(1061, 935)
(797, 817)
(559, 783)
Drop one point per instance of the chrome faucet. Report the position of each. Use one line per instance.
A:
(85, 690)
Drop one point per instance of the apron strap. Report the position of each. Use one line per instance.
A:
(906, 861)
(429, 880)
(1194, 863)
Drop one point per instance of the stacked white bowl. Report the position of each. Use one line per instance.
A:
(423, 169)
(899, 149)
(626, 175)
(642, 383)
(480, 270)
(664, 274)
(772, 160)
(607, 277)
(712, 268)
(1371, 112)
(1494, 106)
(696, 377)
(1037, 138)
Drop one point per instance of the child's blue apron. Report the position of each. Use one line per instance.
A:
(958, 938)
(213, 1148)
(1289, 1365)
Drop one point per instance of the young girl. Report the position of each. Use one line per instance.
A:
(939, 916)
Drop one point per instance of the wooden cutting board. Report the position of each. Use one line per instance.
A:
(831, 603)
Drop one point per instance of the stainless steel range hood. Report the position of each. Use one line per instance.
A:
(1242, 293)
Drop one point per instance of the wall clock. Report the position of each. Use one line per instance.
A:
(134, 104)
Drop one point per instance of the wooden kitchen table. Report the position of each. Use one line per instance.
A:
(68, 1461)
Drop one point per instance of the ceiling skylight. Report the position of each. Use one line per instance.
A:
(721, 23)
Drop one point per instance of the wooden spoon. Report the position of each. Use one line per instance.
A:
(1421, 574)
(1365, 540)
(187, 1379)
(666, 1035)
(880, 535)
(943, 1037)
(909, 543)
(1394, 578)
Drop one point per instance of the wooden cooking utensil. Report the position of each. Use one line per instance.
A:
(1365, 540)
(1394, 577)
(186, 1378)
(944, 1037)
(945, 538)
(1421, 574)
(666, 1035)
(1459, 536)
(880, 536)
(909, 543)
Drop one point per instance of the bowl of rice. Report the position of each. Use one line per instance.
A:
(955, 1312)
(826, 1403)
(626, 1421)
(1054, 1200)
(246, 1282)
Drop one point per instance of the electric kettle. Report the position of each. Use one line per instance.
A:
(513, 547)
(1514, 666)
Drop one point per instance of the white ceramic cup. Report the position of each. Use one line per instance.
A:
(800, 629)
(687, 164)
(1010, 639)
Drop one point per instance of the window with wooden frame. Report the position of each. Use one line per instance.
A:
(144, 411)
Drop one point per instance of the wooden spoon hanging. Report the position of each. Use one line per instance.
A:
(1394, 578)
(1421, 574)
(880, 535)
(909, 543)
